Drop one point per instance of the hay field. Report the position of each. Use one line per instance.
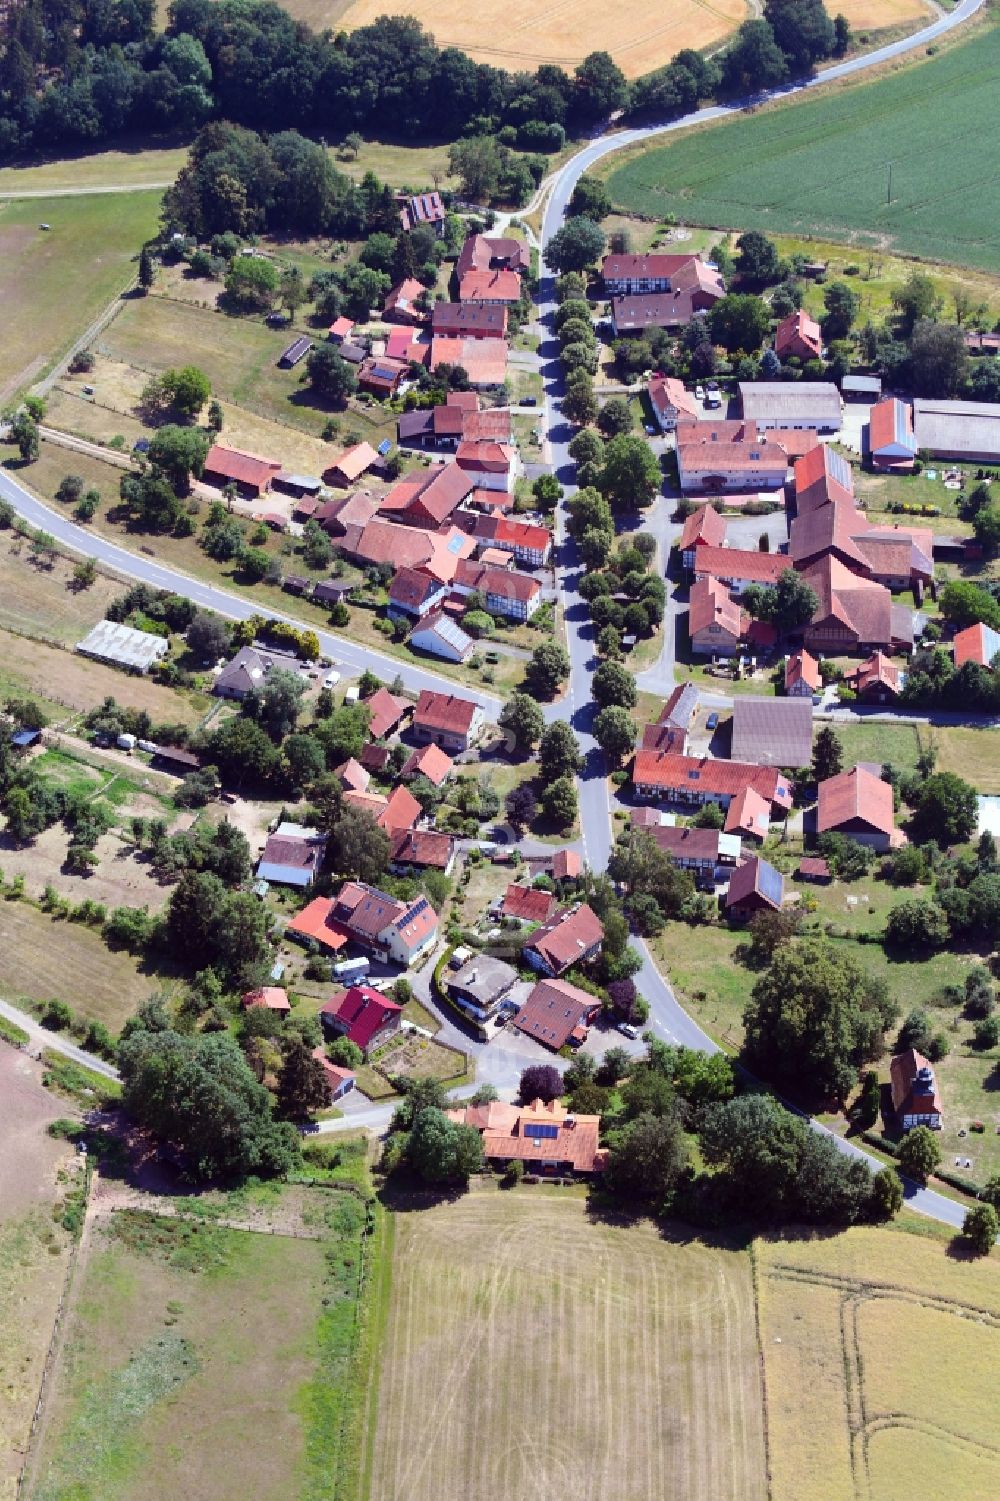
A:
(55, 282)
(874, 15)
(33, 1248)
(880, 1343)
(531, 1350)
(183, 1363)
(42, 959)
(644, 36)
(818, 166)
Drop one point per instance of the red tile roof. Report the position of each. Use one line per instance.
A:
(877, 672)
(489, 286)
(528, 904)
(667, 395)
(484, 457)
(669, 772)
(733, 563)
(363, 1012)
(710, 604)
(411, 588)
(977, 643)
(756, 877)
(566, 865)
(506, 529)
(567, 936)
(813, 866)
(555, 1012)
(704, 527)
(474, 320)
(271, 996)
(910, 1096)
(798, 334)
(335, 1075)
(401, 811)
(802, 667)
(484, 360)
(859, 606)
(316, 921)
(403, 296)
(242, 468)
(749, 813)
(353, 462)
(525, 1132)
(480, 252)
(425, 847)
(353, 776)
(855, 796)
(822, 477)
(385, 712)
(444, 711)
(429, 761)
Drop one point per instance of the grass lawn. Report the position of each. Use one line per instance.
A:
(971, 753)
(159, 1375)
(874, 741)
(843, 1410)
(42, 959)
(817, 166)
(639, 1312)
(413, 1057)
(125, 168)
(54, 282)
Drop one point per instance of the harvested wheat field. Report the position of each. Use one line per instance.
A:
(533, 1350)
(881, 1358)
(644, 36)
(872, 15)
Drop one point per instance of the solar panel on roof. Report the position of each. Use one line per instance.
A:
(769, 883)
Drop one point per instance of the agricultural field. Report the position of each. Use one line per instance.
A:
(569, 1355)
(55, 281)
(880, 1348)
(646, 36)
(42, 959)
(34, 1247)
(158, 1375)
(818, 167)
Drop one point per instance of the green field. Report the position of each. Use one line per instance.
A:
(55, 281)
(819, 166)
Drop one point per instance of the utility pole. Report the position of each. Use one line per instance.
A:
(889, 194)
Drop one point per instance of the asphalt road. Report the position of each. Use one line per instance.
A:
(134, 566)
(41, 1037)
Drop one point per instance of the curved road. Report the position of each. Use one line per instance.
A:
(667, 1016)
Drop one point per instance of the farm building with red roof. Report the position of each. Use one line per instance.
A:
(363, 1015)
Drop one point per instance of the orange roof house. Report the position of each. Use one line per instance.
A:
(490, 286)
(878, 680)
(716, 622)
(543, 1135)
(690, 779)
(703, 528)
(385, 712)
(271, 996)
(573, 935)
(528, 904)
(352, 464)
(401, 812)
(749, 814)
(802, 675)
(429, 761)
(483, 360)
(400, 305)
(798, 336)
(858, 804)
(567, 865)
(822, 477)
(977, 643)
(891, 443)
(915, 1095)
(557, 1014)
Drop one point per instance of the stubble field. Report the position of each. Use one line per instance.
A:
(644, 36)
(881, 1352)
(538, 1351)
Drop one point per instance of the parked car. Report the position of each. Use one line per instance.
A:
(699, 392)
(628, 1030)
(529, 401)
(712, 722)
(331, 680)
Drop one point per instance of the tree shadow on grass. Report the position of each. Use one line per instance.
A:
(405, 1194)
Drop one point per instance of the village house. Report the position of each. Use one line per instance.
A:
(469, 320)
(891, 442)
(340, 330)
(363, 1015)
(717, 624)
(452, 722)
(977, 643)
(755, 887)
(414, 593)
(527, 904)
(822, 477)
(352, 776)
(566, 865)
(392, 930)
(530, 544)
(557, 1014)
(798, 337)
(499, 287)
(251, 475)
(802, 675)
(441, 636)
(738, 569)
(423, 208)
(666, 775)
(244, 673)
(749, 815)
(772, 731)
(544, 1136)
(480, 986)
(429, 497)
(968, 431)
(858, 804)
(271, 997)
(626, 275)
(293, 855)
(878, 680)
(516, 596)
(386, 712)
(492, 253)
(381, 376)
(671, 730)
(422, 849)
(490, 466)
(484, 360)
(854, 614)
(916, 1099)
(571, 936)
(707, 853)
(429, 761)
(339, 1081)
(402, 303)
(457, 419)
(403, 545)
(671, 402)
(703, 528)
(716, 465)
